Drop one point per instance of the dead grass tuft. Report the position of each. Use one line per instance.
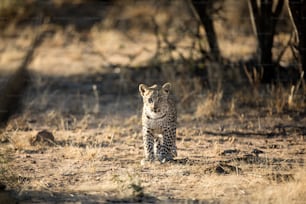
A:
(283, 98)
(7, 174)
(288, 192)
(210, 105)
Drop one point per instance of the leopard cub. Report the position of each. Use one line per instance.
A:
(158, 122)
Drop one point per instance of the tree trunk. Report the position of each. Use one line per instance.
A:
(11, 93)
(202, 7)
(265, 22)
(298, 12)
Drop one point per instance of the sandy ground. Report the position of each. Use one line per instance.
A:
(224, 159)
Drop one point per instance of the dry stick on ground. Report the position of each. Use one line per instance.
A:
(11, 93)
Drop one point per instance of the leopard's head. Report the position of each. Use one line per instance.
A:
(155, 100)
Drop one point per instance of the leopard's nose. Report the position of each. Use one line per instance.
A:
(156, 110)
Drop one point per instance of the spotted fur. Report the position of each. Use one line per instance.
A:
(158, 122)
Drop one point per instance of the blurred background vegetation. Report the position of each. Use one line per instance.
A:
(204, 47)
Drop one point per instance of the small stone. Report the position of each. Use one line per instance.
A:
(257, 152)
(44, 137)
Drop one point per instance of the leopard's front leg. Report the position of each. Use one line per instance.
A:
(172, 133)
(148, 143)
(166, 146)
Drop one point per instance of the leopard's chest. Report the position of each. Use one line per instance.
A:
(157, 126)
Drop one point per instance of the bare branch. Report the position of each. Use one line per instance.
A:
(279, 8)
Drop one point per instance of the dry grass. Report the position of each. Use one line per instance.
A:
(292, 192)
(209, 105)
(96, 125)
(282, 98)
(105, 162)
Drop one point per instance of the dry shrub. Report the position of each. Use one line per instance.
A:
(187, 92)
(186, 88)
(282, 98)
(278, 99)
(273, 98)
(210, 105)
(297, 95)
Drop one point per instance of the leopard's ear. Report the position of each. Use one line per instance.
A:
(142, 89)
(166, 88)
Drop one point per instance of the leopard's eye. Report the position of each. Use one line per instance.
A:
(150, 100)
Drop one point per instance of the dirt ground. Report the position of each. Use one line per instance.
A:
(234, 146)
(248, 159)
